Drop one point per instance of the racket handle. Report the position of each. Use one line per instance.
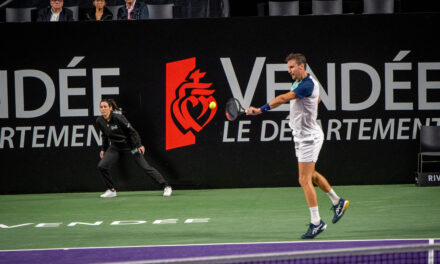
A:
(252, 111)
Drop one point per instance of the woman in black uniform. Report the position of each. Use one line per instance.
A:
(118, 135)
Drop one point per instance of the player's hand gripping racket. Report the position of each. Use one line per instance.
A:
(233, 109)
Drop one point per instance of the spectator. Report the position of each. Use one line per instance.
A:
(133, 10)
(55, 12)
(100, 12)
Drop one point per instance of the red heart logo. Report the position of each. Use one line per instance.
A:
(191, 107)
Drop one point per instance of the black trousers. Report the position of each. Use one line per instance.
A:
(111, 157)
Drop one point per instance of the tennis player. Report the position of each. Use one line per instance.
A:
(119, 136)
(308, 137)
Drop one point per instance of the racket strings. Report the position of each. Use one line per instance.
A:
(232, 109)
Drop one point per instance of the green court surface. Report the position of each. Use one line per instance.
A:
(71, 220)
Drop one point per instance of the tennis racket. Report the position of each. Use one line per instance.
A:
(233, 109)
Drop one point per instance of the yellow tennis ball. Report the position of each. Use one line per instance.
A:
(212, 105)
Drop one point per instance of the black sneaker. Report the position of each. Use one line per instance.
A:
(339, 209)
(314, 230)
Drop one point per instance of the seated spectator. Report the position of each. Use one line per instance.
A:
(133, 10)
(100, 12)
(55, 12)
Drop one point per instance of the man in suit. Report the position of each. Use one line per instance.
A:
(133, 10)
(55, 12)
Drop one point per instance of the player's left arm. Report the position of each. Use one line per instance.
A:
(282, 99)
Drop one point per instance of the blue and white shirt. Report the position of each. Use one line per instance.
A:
(304, 109)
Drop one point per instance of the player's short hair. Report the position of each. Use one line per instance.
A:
(298, 57)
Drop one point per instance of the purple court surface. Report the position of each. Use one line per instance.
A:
(119, 254)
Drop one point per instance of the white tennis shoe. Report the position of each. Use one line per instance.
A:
(167, 191)
(108, 194)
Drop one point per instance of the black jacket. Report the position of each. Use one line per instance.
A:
(107, 15)
(44, 14)
(118, 131)
(140, 11)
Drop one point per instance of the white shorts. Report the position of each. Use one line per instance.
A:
(307, 149)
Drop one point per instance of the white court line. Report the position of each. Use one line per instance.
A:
(219, 244)
(431, 252)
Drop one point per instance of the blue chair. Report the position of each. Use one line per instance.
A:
(20, 14)
(75, 11)
(72, 5)
(289, 8)
(326, 7)
(163, 11)
(378, 6)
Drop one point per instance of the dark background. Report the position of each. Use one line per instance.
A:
(215, 8)
(141, 50)
(250, 7)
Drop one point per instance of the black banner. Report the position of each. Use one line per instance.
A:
(380, 77)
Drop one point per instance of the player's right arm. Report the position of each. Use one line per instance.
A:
(129, 130)
(274, 103)
(105, 140)
(282, 99)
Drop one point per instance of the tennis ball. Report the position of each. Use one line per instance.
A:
(212, 105)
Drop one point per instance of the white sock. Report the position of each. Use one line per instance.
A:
(314, 213)
(333, 196)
